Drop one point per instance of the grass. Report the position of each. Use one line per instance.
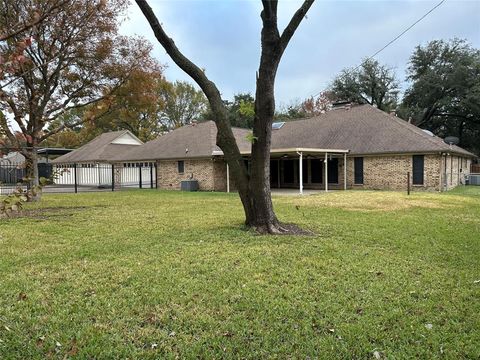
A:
(152, 274)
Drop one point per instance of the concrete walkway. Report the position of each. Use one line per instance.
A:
(296, 192)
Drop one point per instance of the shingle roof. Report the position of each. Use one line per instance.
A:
(189, 141)
(362, 129)
(97, 150)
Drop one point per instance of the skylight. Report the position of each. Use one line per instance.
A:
(277, 125)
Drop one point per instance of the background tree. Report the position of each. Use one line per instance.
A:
(181, 103)
(136, 105)
(370, 83)
(76, 59)
(318, 105)
(241, 111)
(253, 187)
(444, 95)
(17, 27)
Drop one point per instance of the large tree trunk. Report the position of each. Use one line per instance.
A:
(253, 188)
(31, 170)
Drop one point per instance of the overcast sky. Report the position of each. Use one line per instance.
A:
(223, 37)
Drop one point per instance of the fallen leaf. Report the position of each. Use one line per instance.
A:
(429, 326)
(73, 348)
(377, 355)
(154, 345)
(22, 296)
(173, 333)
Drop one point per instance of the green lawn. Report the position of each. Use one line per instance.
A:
(152, 274)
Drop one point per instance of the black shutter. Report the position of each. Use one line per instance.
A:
(418, 167)
(181, 167)
(358, 170)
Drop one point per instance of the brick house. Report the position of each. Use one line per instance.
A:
(367, 147)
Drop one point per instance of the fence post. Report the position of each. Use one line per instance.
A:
(151, 176)
(408, 183)
(140, 175)
(113, 177)
(75, 177)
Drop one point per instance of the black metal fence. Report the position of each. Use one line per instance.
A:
(82, 177)
(11, 176)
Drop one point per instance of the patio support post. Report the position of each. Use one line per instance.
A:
(326, 172)
(300, 166)
(345, 171)
(228, 179)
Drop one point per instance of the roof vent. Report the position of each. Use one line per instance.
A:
(277, 125)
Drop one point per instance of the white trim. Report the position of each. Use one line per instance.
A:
(297, 150)
(300, 159)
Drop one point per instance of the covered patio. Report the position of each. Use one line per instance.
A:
(308, 168)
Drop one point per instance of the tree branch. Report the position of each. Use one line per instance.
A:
(37, 21)
(225, 139)
(294, 23)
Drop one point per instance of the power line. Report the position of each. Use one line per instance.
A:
(396, 38)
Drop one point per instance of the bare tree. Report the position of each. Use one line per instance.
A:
(253, 187)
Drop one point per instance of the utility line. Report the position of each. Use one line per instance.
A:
(396, 38)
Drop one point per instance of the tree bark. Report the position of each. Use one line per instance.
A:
(253, 188)
(31, 170)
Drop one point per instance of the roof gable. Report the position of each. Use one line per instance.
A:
(103, 148)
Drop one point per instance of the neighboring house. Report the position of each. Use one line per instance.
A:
(93, 161)
(16, 158)
(366, 146)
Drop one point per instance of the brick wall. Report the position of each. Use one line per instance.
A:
(201, 169)
(389, 172)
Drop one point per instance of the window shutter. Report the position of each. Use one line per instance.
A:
(358, 170)
(418, 169)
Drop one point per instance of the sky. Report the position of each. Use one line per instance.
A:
(223, 37)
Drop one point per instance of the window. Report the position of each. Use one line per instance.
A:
(181, 166)
(418, 164)
(358, 171)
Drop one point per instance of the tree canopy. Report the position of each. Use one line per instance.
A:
(73, 60)
(370, 83)
(444, 91)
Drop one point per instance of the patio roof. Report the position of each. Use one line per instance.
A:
(303, 150)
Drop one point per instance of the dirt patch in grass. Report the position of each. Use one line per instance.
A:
(374, 201)
(45, 213)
